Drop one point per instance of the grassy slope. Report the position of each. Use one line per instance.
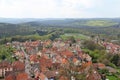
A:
(96, 23)
(100, 23)
(75, 35)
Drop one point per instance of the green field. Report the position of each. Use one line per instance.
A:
(100, 23)
(96, 23)
(75, 35)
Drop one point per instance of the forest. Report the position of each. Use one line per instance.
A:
(106, 28)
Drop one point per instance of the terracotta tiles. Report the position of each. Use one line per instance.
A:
(18, 66)
(22, 76)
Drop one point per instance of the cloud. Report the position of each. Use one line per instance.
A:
(76, 8)
(52, 8)
(81, 3)
(27, 8)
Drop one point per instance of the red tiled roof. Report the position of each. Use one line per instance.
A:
(87, 64)
(94, 75)
(75, 59)
(64, 61)
(42, 76)
(67, 53)
(19, 66)
(99, 65)
(5, 64)
(10, 77)
(22, 76)
(63, 78)
(45, 62)
(33, 57)
(56, 65)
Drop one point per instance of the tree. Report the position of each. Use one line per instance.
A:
(72, 39)
(89, 44)
(118, 35)
(6, 53)
(115, 59)
(92, 36)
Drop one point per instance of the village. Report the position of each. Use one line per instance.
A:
(53, 60)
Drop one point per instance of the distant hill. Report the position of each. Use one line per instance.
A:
(11, 27)
(63, 21)
(17, 20)
(79, 23)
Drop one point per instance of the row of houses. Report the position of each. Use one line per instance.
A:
(49, 60)
(112, 48)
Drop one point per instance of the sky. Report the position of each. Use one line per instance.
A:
(59, 8)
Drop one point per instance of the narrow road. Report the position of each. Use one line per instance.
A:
(27, 62)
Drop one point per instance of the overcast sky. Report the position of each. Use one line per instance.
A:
(59, 8)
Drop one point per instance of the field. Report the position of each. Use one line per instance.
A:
(100, 23)
(75, 35)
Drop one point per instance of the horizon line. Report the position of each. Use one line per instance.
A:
(58, 18)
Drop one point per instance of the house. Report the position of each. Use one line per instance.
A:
(11, 76)
(67, 53)
(56, 66)
(99, 65)
(41, 76)
(45, 63)
(112, 48)
(17, 76)
(63, 78)
(93, 75)
(64, 61)
(19, 54)
(86, 57)
(39, 53)
(18, 66)
(22, 76)
(4, 68)
(76, 61)
(51, 74)
(33, 58)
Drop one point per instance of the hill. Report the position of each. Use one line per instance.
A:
(80, 23)
(105, 27)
